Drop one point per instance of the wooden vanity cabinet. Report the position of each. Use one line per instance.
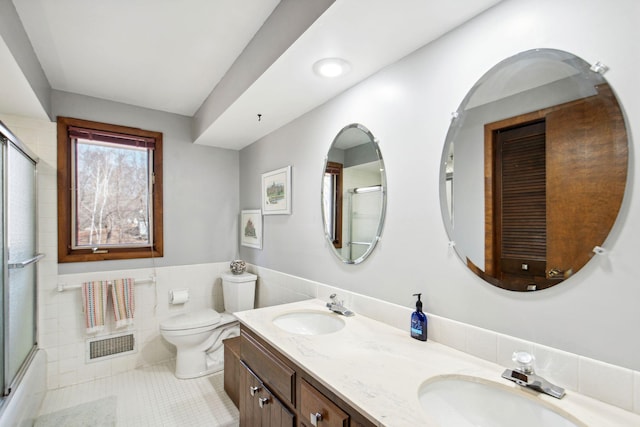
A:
(320, 411)
(232, 369)
(290, 390)
(258, 406)
(276, 374)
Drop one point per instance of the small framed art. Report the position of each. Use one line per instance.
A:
(251, 228)
(276, 192)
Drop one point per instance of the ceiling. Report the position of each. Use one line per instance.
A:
(220, 62)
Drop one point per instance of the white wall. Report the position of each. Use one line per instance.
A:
(408, 108)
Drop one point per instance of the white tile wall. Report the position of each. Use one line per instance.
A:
(482, 343)
(280, 288)
(64, 337)
(452, 333)
(605, 382)
(636, 392)
(508, 345)
(557, 366)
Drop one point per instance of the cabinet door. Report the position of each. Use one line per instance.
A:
(272, 371)
(316, 409)
(258, 406)
(232, 369)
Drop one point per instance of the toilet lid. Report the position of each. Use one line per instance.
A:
(193, 320)
(239, 278)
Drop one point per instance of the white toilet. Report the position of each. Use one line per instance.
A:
(198, 336)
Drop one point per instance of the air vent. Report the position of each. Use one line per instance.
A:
(115, 345)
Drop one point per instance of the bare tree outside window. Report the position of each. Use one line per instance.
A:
(112, 199)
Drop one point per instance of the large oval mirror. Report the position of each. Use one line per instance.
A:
(353, 194)
(534, 169)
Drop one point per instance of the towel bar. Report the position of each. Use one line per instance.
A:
(64, 287)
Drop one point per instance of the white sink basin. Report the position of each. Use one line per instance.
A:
(309, 322)
(458, 401)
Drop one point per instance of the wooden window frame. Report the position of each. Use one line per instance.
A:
(66, 252)
(336, 169)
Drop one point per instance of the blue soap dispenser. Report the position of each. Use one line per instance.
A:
(418, 321)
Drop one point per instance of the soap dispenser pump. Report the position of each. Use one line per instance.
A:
(418, 321)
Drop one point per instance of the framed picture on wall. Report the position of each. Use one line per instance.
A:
(251, 228)
(276, 192)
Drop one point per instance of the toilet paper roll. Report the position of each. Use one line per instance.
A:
(178, 296)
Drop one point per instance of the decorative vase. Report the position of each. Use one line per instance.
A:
(238, 266)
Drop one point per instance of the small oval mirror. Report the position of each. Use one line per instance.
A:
(534, 169)
(353, 194)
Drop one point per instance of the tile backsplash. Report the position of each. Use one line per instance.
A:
(63, 336)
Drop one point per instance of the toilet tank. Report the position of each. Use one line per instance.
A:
(238, 291)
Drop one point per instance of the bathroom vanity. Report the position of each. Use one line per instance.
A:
(367, 373)
(273, 387)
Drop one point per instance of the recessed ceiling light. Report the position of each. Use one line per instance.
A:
(331, 67)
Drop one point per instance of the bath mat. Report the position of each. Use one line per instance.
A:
(99, 413)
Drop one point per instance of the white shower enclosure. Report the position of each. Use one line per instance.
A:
(19, 259)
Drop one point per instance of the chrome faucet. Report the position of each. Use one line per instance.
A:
(523, 375)
(338, 307)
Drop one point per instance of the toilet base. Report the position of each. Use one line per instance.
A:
(194, 363)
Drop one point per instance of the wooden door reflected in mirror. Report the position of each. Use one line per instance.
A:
(553, 176)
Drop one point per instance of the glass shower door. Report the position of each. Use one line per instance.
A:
(20, 260)
(365, 206)
(3, 141)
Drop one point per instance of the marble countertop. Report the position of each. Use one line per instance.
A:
(378, 369)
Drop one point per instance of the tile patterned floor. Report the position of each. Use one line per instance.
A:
(154, 397)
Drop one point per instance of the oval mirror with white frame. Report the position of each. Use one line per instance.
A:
(353, 194)
(534, 169)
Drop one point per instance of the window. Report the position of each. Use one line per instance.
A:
(109, 192)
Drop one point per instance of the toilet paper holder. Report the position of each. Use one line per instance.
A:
(178, 296)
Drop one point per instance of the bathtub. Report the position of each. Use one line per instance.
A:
(21, 408)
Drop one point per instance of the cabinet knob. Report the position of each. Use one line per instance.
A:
(253, 390)
(263, 401)
(315, 418)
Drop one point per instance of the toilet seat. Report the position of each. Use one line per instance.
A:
(201, 319)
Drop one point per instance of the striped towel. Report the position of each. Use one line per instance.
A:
(94, 305)
(123, 301)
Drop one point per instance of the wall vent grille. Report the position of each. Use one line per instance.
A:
(112, 346)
